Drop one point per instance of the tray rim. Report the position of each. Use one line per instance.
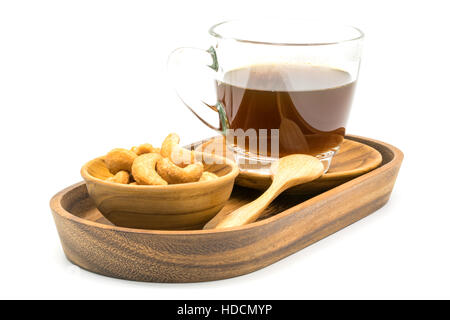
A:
(56, 207)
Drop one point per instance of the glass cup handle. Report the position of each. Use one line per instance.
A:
(192, 72)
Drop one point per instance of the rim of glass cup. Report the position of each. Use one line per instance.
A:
(212, 31)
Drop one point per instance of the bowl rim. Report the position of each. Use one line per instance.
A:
(170, 187)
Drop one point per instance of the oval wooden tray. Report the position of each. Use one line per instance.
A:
(289, 224)
(352, 160)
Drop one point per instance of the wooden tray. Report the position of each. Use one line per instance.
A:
(291, 223)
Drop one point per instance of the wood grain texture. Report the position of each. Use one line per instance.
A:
(289, 224)
(165, 207)
(352, 160)
(289, 171)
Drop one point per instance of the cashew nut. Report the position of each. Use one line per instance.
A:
(143, 170)
(120, 177)
(207, 176)
(119, 159)
(170, 149)
(145, 148)
(174, 174)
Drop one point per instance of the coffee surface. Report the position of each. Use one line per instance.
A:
(308, 104)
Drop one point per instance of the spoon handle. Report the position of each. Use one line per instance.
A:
(251, 211)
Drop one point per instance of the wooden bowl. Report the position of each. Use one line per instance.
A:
(170, 207)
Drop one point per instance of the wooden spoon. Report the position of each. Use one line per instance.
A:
(289, 171)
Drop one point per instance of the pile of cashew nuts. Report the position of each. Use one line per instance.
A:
(147, 165)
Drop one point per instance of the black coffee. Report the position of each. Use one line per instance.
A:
(308, 104)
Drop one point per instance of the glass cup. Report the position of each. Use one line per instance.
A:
(272, 87)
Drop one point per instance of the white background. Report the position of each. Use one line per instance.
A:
(78, 78)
